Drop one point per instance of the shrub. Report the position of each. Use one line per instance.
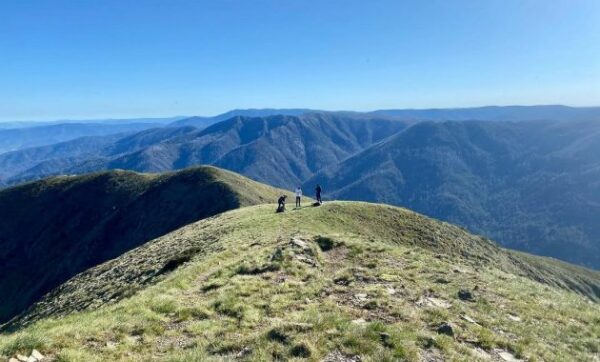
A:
(325, 243)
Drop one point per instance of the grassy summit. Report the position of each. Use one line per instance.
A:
(334, 283)
(53, 229)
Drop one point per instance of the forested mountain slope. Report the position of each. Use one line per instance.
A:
(533, 186)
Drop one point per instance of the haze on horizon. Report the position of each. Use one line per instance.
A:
(115, 59)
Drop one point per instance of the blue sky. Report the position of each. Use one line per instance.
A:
(126, 58)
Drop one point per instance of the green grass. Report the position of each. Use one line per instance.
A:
(349, 278)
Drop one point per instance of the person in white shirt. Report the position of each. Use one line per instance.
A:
(298, 196)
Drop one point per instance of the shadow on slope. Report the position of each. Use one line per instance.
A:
(56, 228)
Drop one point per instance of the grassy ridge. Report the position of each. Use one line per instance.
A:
(53, 229)
(344, 279)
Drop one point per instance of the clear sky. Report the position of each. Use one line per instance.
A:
(127, 58)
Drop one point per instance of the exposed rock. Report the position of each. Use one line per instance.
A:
(299, 243)
(482, 354)
(514, 318)
(446, 328)
(300, 327)
(469, 319)
(306, 260)
(337, 356)
(21, 358)
(431, 356)
(433, 302)
(359, 321)
(465, 294)
(111, 344)
(37, 355)
(361, 297)
(506, 356)
(12, 359)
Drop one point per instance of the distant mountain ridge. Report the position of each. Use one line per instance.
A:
(108, 121)
(280, 150)
(497, 113)
(20, 138)
(203, 122)
(530, 185)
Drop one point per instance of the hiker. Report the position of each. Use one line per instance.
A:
(298, 196)
(281, 203)
(318, 192)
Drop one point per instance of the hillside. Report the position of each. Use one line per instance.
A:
(54, 229)
(532, 186)
(279, 150)
(341, 282)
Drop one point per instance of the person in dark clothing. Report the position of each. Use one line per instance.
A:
(318, 192)
(281, 203)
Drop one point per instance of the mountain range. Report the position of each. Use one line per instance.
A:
(280, 150)
(530, 183)
(533, 186)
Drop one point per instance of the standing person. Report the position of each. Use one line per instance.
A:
(318, 192)
(298, 196)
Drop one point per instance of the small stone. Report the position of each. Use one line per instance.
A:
(21, 358)
(301, 327)
(482, 354)
(391, 291)
(433, 302)
(469, 319)
(337, 356)
(36, 354)
(507, 356)
(111, 344)
(359, 321)
(446, 328)
(31, 359)
(465, 294)
(360, 296)
(514, 318)
(299, 243)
